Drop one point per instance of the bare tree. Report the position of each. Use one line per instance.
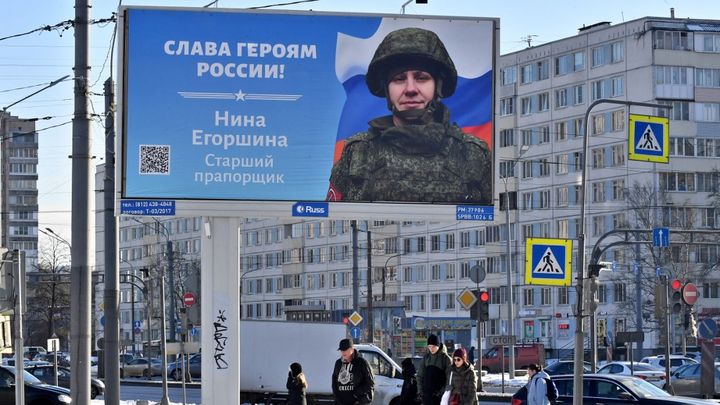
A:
(48, 299)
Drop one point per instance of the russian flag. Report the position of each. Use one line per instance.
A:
(470, 45)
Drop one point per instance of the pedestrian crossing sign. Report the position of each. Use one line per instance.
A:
(548, 261)
(649, 138)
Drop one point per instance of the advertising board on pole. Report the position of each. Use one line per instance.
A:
(238, 107)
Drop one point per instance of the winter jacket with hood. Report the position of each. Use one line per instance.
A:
(353, 383)
(464, 382)
(432, 375)
(537, 389)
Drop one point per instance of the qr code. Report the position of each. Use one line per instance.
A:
(154, 159)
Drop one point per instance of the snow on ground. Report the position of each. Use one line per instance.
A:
(496, 379)
(102, 402)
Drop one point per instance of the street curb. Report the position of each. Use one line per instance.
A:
(156, 383)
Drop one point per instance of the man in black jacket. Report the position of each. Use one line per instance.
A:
(352, 379)
(433, 371)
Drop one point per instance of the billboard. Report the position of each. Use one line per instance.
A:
(236, 105)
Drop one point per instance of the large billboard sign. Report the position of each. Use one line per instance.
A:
(237, 106)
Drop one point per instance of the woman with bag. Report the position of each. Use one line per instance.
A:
(296, 385)
(462, 382)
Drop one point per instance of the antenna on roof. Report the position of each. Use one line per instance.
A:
(528, 39)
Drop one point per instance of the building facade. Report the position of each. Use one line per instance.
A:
(19, 158)
(542, 95)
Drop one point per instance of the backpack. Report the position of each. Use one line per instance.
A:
(552, 391)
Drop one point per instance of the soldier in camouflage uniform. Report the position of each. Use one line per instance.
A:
(415, 154)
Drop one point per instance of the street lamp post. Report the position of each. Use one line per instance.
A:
(511, 320)
(579, 329)
(132, 305)
(384, 271)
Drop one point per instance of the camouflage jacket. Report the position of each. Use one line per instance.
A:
(435, 162)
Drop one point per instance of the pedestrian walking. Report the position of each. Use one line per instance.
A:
(296, 385)
(353, 382)
(537, 386)
(433, 372)
(409, 392)
(462, 381)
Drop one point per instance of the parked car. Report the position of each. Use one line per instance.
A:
(139, 368)
(525, 355)
(675, 361)
(695, 355)
(126, 358)
(686, 380)
(644, 371)
(46, 374)
(62, 358)
(611, 389)
(36, 391)
(30, 351)
(194, 364)
(565, 367)
(10, 361)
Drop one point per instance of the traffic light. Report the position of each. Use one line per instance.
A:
(675, 296)
(484, 306)
(346, 318)
(590, 289)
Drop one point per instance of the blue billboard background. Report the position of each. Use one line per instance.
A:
(242, 106)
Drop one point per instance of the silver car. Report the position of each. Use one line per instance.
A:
(686, 380)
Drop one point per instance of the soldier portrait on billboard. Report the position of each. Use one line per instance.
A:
(416, 153)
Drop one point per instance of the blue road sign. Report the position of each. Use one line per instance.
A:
(648, 138)
(707, 329)
(147, 207)
(355, 332)
(137, 331)
(474, 213)
(548, 261)
(102, 320)
(310, 209)
(661, 237)
(136, 324)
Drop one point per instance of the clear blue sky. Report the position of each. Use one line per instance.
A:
(42, 57)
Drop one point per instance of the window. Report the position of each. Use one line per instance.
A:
(707, 112)
(562, 295)
(598, 89)
(526, 136)
(598, 158)
(526, 73)
(618, 155)
(509, 75)
(464, 239)
(578, 94)
(619, 221)
(707, 77)
(572, 62)
(617, 52)
(710, 290)
(561, 99)
(543, 101)
(618, 120)
(598, 191)
(545, 296)
(562, 228)
(507, 106)
(507, 137)
(435, 304)
(544, 199)
(599, 56)
(680, 110)
(620, 292)
(677, 181)
(618, 187)
(598, 124)
(616, 85)
(544, 167)
(526, 105)
(434, 243)
(527, 169)
(450, 271)
(527, 201)
(507, 169)
(528, 297)
(577, 161)
(543, 69)
(561, 164)
(544, 134)
(598, 223)
(674, 40)
(671, 75)
(449, 301)
(421, 244)
(561, 131)
(578, 127)
(561, 196)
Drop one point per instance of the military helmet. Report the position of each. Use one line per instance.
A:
(411, 47)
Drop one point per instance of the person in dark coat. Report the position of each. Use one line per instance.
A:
(353, 382)
(409, 392)
(433, 372)
(462, 379)
(296, 385)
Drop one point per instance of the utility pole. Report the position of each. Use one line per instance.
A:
(356, 281)
(171, 281)
(19, 283)
(370, 320)
(112, 278)
(83, 223)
